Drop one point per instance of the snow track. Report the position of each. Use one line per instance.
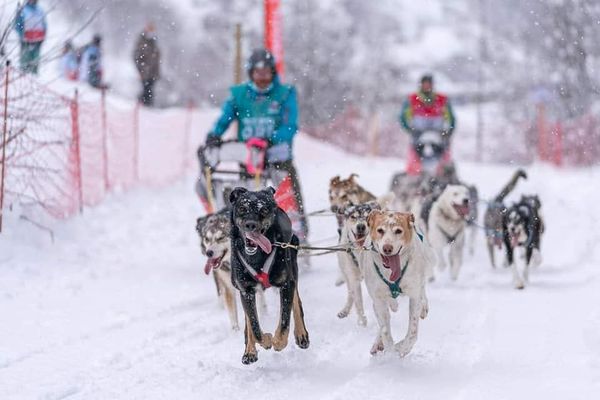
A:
(119, 308)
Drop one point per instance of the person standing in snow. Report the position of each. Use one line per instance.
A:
(423, 111)
(147, 61)
(90, 68)
(69, 65)
(30, 24)
(265, 108)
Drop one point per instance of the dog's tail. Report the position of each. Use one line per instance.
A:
(510, 185)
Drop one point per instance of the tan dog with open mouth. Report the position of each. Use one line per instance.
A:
(395, 265)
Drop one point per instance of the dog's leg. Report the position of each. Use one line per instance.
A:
(518, 282)
(456, 256)
(382, 312)
(262, 304)
(300, 332)
(424, 303)
(286, 293)
(250, 355)
(377, 346)
(528, 261)
(404, 346)
(249, 303)
(356, 292)
(344, 266)
(441, 260)
(472, 239)
(231, 307)
(490, 247)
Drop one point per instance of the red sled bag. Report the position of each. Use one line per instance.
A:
(284, 196)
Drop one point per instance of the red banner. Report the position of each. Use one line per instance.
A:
(273, 33)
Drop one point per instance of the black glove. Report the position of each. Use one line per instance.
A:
(213, 141)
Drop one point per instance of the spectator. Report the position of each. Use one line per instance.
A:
(31, 27)
(69, 65)
(147, 61)
(90, 69)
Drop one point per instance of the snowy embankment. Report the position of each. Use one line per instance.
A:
(118, 306)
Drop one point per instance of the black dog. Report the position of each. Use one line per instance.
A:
(259, 228)
(523, 227)
(493, 220)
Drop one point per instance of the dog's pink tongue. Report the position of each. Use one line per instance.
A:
(514, 241)
(260, 240)
(210, 264)
(393, 263)
(463, 211)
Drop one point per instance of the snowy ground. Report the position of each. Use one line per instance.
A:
(118, 307)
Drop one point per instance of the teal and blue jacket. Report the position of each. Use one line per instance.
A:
(270, 114)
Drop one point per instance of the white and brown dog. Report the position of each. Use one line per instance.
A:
(355, 230)
(395, 265)
(445, 219)
(215, 243)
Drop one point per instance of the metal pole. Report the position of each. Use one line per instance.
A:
(4, 131)
(237, 75)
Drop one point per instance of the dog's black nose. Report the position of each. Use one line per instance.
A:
(210, 253)
(388, 248)
(465, 202)
(361, 228)
(251, 225)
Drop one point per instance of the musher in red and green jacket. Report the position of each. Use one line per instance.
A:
(267, 109)
(427, 110)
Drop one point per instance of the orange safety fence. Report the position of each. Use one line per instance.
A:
(62, 153)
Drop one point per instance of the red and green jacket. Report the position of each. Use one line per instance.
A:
(421, 113)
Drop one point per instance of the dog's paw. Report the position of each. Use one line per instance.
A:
(403, 348)
(280, 342)
(302, 340)
(519, 285)
(267, 341)
(249, 358)
(362, 320)
(235, 327)
(340, 281)
(377, 348)
(342, 314)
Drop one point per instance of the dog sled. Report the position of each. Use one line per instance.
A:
(236, 164)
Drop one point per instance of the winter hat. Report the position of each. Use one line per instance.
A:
(260, 58)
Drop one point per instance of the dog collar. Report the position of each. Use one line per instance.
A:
(450, 238)
(394, 287)
(261, 276)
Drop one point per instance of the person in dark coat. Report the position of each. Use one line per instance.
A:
(147, 61)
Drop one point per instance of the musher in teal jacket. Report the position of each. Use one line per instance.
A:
(267, 109)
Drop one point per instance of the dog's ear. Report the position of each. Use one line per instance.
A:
(352, 176)
(271, 190)
(411, 218)
(200, 222)
(236, 193)
(371, 218)
(335, 180)
(284, 225)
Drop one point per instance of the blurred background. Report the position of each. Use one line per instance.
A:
(354, 62)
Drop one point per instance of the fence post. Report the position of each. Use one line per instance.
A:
(541, 131)
(4, 129)
(558, 150)
(77, 147)
(104, 140)
(136, 141)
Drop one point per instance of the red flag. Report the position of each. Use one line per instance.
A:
(273, 33)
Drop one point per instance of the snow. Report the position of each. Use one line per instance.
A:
(117, 307)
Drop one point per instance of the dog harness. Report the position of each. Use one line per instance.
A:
(394, 287)
(449, 238)
(261, 276)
